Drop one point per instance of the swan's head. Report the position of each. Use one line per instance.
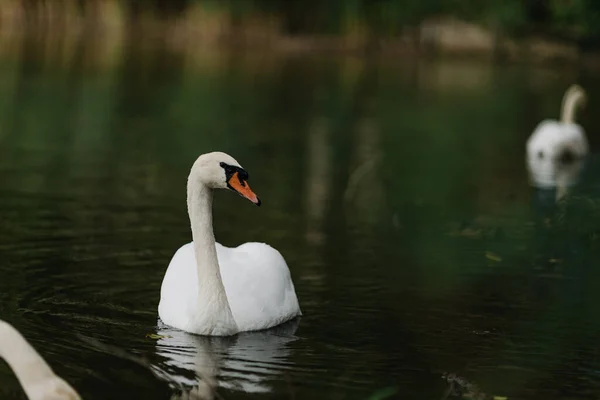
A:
(576, 94)
(218, 170)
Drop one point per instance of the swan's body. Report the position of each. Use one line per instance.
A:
(210, 289)
(257, 283)
(36, 377)
(564, 139)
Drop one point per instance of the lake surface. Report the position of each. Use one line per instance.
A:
(426, 265)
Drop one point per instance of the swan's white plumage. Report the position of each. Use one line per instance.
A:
(36, 377)
(556, 139)
(547, 173)
(257, 282)
(551, 139)
(209, 289)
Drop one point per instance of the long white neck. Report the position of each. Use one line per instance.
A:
(29, 367)
(571, 100)
(216, 317)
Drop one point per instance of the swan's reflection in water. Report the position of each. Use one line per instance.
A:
(549, 174)
(245, 362)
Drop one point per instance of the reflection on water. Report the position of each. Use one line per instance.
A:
(244, 363)
(400, 202)
(550, 174)
(318, 179)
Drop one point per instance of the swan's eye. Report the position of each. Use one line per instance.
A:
(230, 170)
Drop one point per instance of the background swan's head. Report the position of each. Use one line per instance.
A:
(219, 170)
(576, 94)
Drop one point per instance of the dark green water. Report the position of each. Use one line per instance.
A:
(397, 193)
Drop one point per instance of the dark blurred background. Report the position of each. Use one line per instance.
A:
(503, 27)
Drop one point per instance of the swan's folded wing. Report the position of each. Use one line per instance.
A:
(259, 286)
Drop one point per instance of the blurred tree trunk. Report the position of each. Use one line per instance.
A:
(300, 16)
(159, 8)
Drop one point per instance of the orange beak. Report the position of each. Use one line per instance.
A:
(242, 187)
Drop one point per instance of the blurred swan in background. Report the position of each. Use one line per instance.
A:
(36, 377)
(556, 149)
(213, 290)
(561, 140)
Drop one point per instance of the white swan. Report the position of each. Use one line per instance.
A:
(36, 377)
(213, 290)
(561, 140)
(548, 173)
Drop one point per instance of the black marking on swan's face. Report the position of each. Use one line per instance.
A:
(236, 178)
(567, 156)
(540, 154)
(230, 171)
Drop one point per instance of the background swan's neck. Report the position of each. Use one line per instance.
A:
(571, 101)
(216, 314)
(29, 367)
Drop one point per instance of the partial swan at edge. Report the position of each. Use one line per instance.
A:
(35, 376)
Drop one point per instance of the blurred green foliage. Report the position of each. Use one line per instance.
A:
(573, 19)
